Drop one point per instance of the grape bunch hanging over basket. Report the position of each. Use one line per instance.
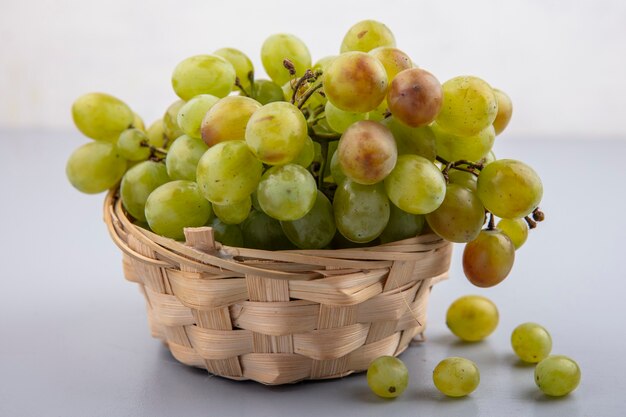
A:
(359, 149)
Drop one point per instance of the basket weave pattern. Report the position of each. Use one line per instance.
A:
(279, 316)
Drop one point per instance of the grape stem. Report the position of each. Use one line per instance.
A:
(239, 86)
(492, 222)
(531, 223)
(296, 88)
(308, 94)
(460, 165)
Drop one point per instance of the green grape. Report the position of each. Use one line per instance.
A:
(401, 225)
(393, 59)
(412, 140)
(464, 179)
(176, 205)
(241, 63)
(415, 97)
(101, 116)
(340, 120)
(95, 167)
(156, 134)
(265, 91)
(226, 234)
(260, 231)
(276, 133)
(515, 229)
(509, 189)
(387, 377)
(316, 229)
(138, 183)
(379, 114)
(233, 213)
(367, 152)
(203, 74)
(341, 242)
(505, 111)
(306, 155)
(472, 318)
(456, 377)
(488, 259)
(469, 106)
(415, 185)
(531, 342)
(367, 35)
(138, 122)
(227, 119)
(287, 192)
(322, 64)
(132, 145)
(355, 82)
(192, 113)
(460, 217)
(283, 46)
(228, 172)
(557, 375)
(489, 158)
(183, 156)
(472, 148)
(361, 211)
(335, 169)
(170, 122)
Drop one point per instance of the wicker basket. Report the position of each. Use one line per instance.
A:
(279, 317)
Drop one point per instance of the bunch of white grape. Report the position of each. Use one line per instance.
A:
(361, 148)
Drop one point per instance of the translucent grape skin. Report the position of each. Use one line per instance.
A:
(557, 375)
(460, 216)
(276, 133)
(456, 377)
(130, 145)
(415, 97)
(531, 342)
(415, 185)
(412, 140)
(260, 231)
(241, 64)
(95, 167)
(401, 225)
(472, 318)
(340, 120)
(488, 259)
(138, 122)
(510, 189)
(515, 229)
(316, 229)
(306, 155)
(183, 156)
(265, 92)
(505, 111)
(355, 82)
(228, 172)
(367, 152)
(138, 183)
(203, 74)
(227, 119)
(226, 234)
(393, 59)
(469, 106)
(171, 129)
(283, 46)
(464, 179)
(387, 377)
(101, 116)
(192, 113)
(233, 213)
(156, 134)
(335, 169)
(367, 35)
(361, 211)
(471, 148)
(287, 192)
(176, 205)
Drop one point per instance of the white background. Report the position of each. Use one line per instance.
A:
(562, 62)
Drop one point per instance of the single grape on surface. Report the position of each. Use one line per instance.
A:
(415, 97)
(557, 375)
(472, 317)
(367, 35)
(515, 229)
(387, 377)
(531, 342)
(456, 377)
(488, 259)
(101, 116)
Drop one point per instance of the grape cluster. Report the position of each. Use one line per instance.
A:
(356, 149)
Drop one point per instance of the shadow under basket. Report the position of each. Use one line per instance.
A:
(279, 317)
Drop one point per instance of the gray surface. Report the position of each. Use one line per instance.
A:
(74, 339)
